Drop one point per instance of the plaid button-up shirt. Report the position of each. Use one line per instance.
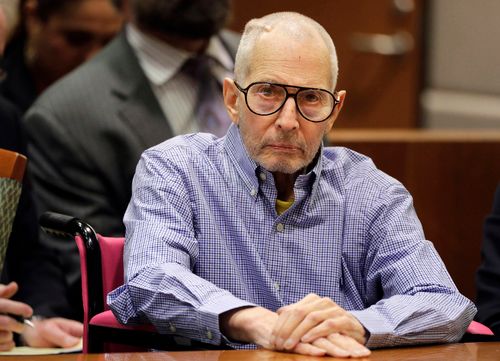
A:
(203, 237)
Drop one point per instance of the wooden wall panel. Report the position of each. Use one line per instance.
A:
(452, 176)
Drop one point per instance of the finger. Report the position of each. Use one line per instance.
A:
(7, 291)
(308, 299)
(347, 344)
(293, 316)
(308, 349)
(337, 322)
(15, 307)
(7, 346)
(316, 312)
(6, 337)
(51, 332)
(72, 327)
(10, 325)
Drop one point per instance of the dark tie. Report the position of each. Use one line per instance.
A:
(209, 111)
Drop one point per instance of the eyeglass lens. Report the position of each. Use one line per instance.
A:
(314, 104)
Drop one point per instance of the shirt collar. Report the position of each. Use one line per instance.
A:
(161, 61)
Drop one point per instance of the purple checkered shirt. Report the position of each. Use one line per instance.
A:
(203, 237)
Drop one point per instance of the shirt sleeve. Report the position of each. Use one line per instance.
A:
(160, 255)
(412, 298)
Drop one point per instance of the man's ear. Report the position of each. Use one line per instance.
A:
(341, 94)
(230, 94)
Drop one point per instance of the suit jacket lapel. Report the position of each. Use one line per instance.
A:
(140, 110)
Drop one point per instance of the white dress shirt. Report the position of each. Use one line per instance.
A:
(175, 90)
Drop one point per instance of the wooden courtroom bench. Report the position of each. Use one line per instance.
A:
(452, 176)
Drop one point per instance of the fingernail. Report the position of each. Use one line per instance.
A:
(289, 344)
(361, 353)
(279, 342)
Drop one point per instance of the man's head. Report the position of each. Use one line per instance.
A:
(192, 19)
(62, 34)
(293, 50)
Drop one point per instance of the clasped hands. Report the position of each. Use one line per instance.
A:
(313, 326)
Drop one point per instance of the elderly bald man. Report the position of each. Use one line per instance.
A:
(265, 237)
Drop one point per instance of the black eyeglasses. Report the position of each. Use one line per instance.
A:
(314, 104)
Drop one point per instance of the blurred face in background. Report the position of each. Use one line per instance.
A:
(192, 19)
(3, 31)
(60, 41)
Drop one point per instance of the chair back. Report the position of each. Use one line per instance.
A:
(12, 166)
(110, 265)
(101, 265)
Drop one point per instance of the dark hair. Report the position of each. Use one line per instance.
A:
(46, 8)
(185, 18)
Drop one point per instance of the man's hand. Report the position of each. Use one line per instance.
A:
(53, 332)
(7, 324)
(321, 322)
(254, 325)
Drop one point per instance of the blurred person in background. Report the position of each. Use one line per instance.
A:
(24, 258)
(87, 131)
(488, 275)
(54, 37)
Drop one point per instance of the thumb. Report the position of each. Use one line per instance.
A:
(7, 291)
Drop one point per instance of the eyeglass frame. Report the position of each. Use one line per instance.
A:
(288, 95)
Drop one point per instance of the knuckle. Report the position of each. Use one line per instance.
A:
(313, 296)
(299, 313)
(331, 323)
(314, 317)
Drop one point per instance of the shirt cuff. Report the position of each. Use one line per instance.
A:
(378, 332)
(209, 317)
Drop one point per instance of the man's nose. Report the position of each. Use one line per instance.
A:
(288, 116)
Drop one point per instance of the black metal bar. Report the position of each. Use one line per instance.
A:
(61, 226)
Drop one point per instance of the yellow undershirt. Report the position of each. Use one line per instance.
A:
(282, 206)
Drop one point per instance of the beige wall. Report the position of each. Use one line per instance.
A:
(463, 64)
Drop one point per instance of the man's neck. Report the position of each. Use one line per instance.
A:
(284, 185)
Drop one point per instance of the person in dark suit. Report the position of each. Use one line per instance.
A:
(24, 255)
(26, 260)
(53, 38)
(87, 132)
(488, 274)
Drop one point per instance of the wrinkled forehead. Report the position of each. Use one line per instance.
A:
(292, 49)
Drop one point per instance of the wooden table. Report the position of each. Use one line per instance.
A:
(485, 351)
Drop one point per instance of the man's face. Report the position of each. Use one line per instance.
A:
(3, 31)
(285, 142)
(70, 37)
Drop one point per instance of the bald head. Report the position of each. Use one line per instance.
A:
(283, 29)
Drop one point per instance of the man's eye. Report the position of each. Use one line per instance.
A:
(268, 91)
(311, 97)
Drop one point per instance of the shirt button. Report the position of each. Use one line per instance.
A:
(262, 176)
(172, 328)
(253, 192)
(280, 227)
(209, 334)
(277, 286)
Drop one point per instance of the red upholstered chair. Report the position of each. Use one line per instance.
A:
(476, 328)
(101, 260)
